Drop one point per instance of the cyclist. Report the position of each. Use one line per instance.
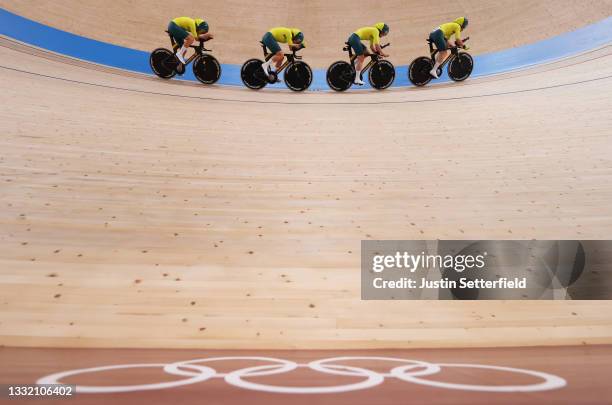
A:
(441, 37)
(371, 34)
(293, 37)
(185, 30)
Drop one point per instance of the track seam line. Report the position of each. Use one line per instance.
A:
(12, 44)
(306, 103)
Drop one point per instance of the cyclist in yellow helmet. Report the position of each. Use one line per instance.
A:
(185, 30)
(441, 36)
(293, 37)
(371, 34)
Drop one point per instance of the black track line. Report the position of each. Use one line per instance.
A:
(308, 103)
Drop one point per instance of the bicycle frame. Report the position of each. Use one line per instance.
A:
(199, 49)
(454, 52)
(289, 57)
(373, 57)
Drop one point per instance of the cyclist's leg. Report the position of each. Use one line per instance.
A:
(183, 39)
(359, 49)
(189, 41)
(275, 49)
(437, 37)
(177, 33)
(278, 59)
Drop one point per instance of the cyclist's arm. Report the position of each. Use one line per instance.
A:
(459, 43)
(289, 36)
(377, 49)
(458, 35)
(375, 44)
(192, 29)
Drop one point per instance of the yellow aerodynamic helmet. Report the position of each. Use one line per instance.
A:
(297, 35)
(382, 27)
(462, 21)
(201, 25)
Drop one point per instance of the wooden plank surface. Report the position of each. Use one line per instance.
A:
(143, 213)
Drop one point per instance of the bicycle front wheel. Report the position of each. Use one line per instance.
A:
(382, 75)
(461, 67)
(298, 76)
(207, 69)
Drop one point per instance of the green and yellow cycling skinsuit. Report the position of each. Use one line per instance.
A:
(279, 34)
(371, 34)
(181, 27)
(444, 32)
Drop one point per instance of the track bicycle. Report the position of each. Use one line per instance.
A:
(341, 74)
(298, 74)
(460, 65)
(165, 64)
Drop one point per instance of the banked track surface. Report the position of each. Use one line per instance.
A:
(62, 42)
(136, 219)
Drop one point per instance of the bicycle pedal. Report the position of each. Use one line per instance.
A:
(273, 78)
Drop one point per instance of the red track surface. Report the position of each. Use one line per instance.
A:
(586, 369)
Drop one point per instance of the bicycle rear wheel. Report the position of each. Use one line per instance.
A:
(382, 74)
(298, 76)
(340, 75)
(252, 74)
(461, 67)
(206, 69)
(163, 63)
(418, 72)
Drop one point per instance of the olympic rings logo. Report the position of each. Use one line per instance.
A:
(412, 371)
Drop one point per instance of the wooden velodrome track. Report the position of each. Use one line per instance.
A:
(145, 214)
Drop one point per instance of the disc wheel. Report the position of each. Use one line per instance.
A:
(252, 75)
(382, 74)
(340, 76)
(298, 76)
(418, 73)
(460, 68)
(206, 69)
(163, 63)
